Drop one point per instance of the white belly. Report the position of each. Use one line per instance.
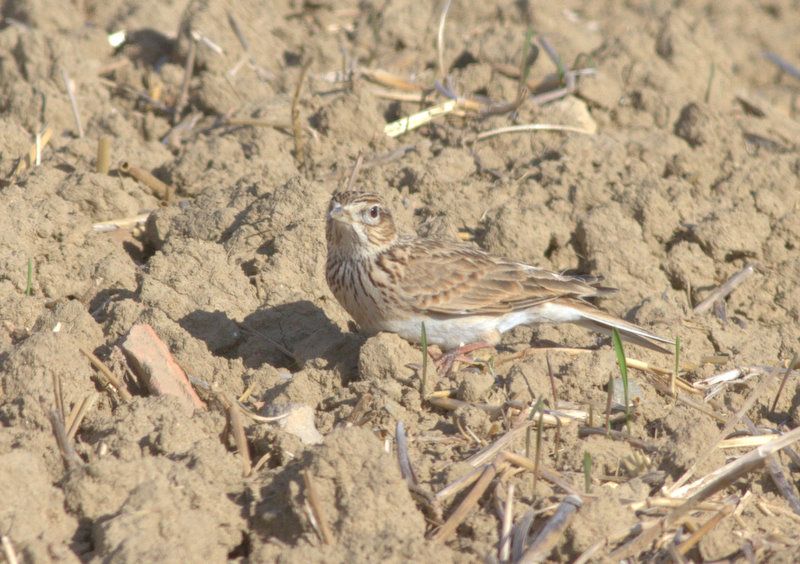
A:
(457, 331)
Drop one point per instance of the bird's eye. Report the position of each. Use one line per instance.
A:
(374, 212)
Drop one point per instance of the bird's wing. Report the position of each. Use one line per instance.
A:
(451, 279)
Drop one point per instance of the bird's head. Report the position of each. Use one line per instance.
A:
(359, 223)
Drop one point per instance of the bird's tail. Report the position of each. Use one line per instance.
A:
(597, 320)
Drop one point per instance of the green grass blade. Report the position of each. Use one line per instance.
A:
(623, 370)
(587, 472)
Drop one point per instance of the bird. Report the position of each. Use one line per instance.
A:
(387, 281)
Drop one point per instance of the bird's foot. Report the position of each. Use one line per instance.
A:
(445, 362)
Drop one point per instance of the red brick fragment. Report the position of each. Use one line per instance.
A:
(154, 366)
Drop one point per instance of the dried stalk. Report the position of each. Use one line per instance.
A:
(402, 455)
(103, 163)
(107, 378)
(121, 223)
(316, 508)
(549, 536)
(8, 550)
(34, 153)
(460, 514)
(73, 102)
(725, 289)
(76, 419)
(239, 437)
(508, 519)
(71, 458)
(160, 189)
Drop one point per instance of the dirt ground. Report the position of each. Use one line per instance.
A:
(686, 172)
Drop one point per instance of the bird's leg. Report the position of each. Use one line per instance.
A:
(444, 363)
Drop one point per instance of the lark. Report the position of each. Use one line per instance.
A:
(392, 282)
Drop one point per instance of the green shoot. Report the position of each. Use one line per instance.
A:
(529, 54)
(29, 281)
(677, 366)
(587, 471)
(538, 457)
(536, 408)
(623, 370)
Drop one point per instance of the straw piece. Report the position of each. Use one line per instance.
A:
(529, 127)
(409, 123)
(460, 514)
(508, 519)
(108, 378)
(549, 536)
(76, 420)
(748, 403)
(121, 223)
(73, 102)
(34, 153)
(402, 454)
(722, 292)
(71, 458)
(316, 508)
(103, 155)
(440, 39)
(160, 189)
(239, 437)
(706, 528)
(8, 550)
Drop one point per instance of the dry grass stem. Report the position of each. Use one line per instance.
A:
(316, 508)
(794, 363)
(34, 153)
(705, 528)
(469, 502)
(775, 470)
(71, 458)
(103, 163)
(160, 189)
(239, 437)
(529, 127)
(746, 442)
(188, 70)
(549, 536)
(390, 80)
(440, 39)
(69, 85)
(520, 534)
(727, 430)
(107, 378)
(722, 477)
(351, 182)
(409, 123)
(297, 127)
(8, 550)
(725, 289)
(59, 397)
(121, 223)
(76, 418)
(460, 484)
(402, 454)
(546, 474)
(508, 520)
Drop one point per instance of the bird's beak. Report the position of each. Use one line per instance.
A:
(337, 212)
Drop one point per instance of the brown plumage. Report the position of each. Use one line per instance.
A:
(389, 282)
